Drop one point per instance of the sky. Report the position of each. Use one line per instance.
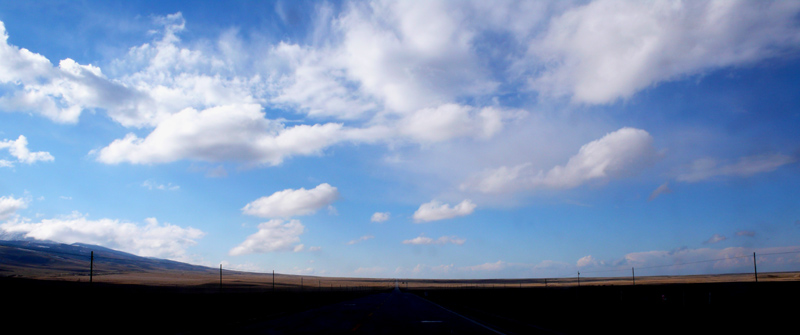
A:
(407, 139)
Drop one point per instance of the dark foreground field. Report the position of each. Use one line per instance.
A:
(55, 307)
(714, 308)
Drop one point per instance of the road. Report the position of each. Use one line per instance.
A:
(383, 313)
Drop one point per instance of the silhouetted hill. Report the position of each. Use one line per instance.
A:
(42, 258)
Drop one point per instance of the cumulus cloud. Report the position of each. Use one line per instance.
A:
(380, 217)
(707, 168)
(435, 210)
(152, 239)
(402, 57)
(9, 205)
(272, 236)
(621, 153)
(19, 149)
(663, 189)
(586, 261)
(361, 239)
(440, 241)
(610, 49)
(289, 202)
(231, 132)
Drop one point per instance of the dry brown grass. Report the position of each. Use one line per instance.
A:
(311, 283)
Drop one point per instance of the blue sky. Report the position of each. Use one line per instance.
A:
(440, 139)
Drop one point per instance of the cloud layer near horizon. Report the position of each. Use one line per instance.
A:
(153, 239)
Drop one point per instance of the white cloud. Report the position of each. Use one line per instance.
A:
(610, 49)
(151, 185)
(440, 241)
(230, 132)
(19, 149)
(435, 210)
(361, 239)
(663, 189)
(715, 239)
(59, 93)
(289, 202)
(586, 261)
(380, 217)
(707, 168)
(150, 240)
(450, 121)
(396, 57)
(620, 153)
(9, 205)
(157, 79)
(272, 236)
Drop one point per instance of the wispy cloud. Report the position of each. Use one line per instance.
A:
(715, 239)
(663, 189)
(361, 239)
(151, 185)
(440, 241)
(707, 168)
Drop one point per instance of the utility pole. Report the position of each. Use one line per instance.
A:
(633, 273)
(91, 265)
(273, 281)
(220, 277)
(755, 269)
(579, 279)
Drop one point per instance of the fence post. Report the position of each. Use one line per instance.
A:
(633, 274)
(91, 266)
(273, 281)
(220, 277)
(579, 279)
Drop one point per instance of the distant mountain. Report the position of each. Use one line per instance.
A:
(33, 258)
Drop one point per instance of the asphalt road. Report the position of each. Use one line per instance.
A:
(383, 313)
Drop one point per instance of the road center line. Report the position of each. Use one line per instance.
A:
(466, 318)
